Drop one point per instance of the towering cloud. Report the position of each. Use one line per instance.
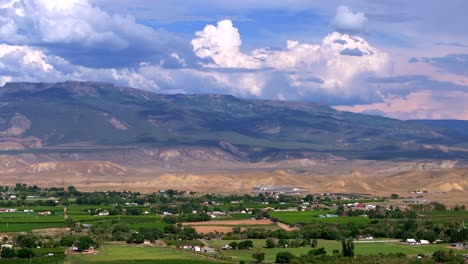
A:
(330, 66)
(222, 44)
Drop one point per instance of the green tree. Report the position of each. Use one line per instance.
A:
(8, 253)
(189, 233)
(85, 242)
(347, 247)
(25, 253)
(284, 257)
(27, 240)
(236, 230)
(270, 243)
(69, 222)
(170, 219)
(283, 242)
(136, 238)
(314, 243)
(247, 244)
(340, 210)
(259, 257)
(442, 256)
(233, 245)
(317, 252)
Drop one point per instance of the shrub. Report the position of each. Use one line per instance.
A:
(284, 257)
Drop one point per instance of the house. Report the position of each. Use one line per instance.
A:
(226, 247)
(328, 216)
(411, 241)
(90, 250)
(424, 242)
(206, 249)
(103, 213)
(196, 249)
(45, 213)
(460, 245)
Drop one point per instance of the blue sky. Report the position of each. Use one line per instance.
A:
(397, 58)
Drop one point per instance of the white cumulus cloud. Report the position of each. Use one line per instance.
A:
(222, 44)
(81, 32)
(330, 66)
(346, 20)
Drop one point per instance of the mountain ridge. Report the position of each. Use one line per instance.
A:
(79, 117)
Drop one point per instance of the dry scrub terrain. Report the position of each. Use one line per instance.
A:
(444, 181)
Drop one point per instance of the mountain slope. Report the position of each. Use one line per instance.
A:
(84, 117)
(460, 126)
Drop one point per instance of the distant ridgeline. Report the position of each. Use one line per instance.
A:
(86, 117)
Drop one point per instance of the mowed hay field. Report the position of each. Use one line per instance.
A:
(370, 248)
(120, 254)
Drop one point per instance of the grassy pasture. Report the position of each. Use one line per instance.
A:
(371, 248)
(114, 254)
(298, 217)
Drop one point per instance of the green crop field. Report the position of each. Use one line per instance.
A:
(445, 216)
(298, 217)
(113, 254)
(234, 217)
(370, 248)
(57, 259)
(24, 227)
(20, 221)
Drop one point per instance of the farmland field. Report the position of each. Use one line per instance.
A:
(226, 226)
(329, 245)
(445, 216)
(298, 217)
(111, 254)
(23, 222)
